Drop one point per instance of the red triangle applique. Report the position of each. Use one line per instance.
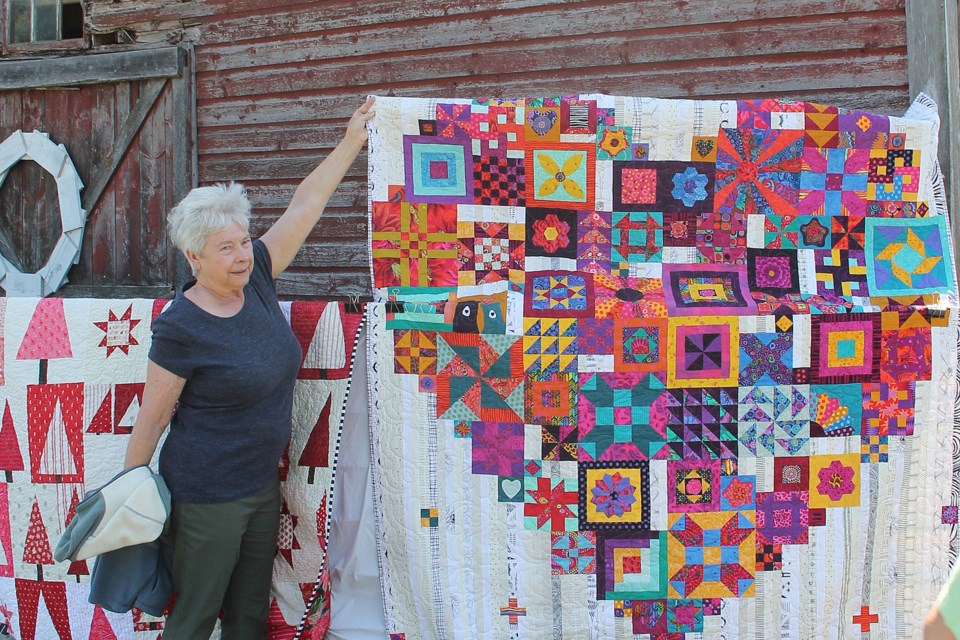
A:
(125, 395)
(10, 457)
(46, 337)
(103, 419)
(317, 449)
(100, 627)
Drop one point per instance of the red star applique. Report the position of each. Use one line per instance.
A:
(119, 331)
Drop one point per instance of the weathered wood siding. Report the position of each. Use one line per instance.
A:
(276, 81)
(124, 243)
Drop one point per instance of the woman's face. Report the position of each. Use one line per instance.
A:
(227, 259)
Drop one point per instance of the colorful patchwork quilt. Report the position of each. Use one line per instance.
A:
(661, 369)
(71, 380)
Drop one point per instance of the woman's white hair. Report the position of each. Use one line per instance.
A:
(207, 210)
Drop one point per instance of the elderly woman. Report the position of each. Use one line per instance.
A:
(223, 363)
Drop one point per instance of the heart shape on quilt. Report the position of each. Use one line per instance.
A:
(541, 121)
(511, 487)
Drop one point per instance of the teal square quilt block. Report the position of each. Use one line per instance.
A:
(908, 256)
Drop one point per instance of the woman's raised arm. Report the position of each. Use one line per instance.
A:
(289, 232)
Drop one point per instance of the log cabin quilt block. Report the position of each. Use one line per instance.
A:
(660, 369)
(72, 382)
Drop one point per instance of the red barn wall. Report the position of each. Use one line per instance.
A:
(276, 81)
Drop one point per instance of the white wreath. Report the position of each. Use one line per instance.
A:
(56, 161)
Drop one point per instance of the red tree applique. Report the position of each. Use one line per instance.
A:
(72, 511)
(10, 457)
(78, 567)
(102, 421)
(36, 546)
(100, 627)
(317, 449)
(47, 337)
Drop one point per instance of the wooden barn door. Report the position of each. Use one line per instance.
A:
(126, 119)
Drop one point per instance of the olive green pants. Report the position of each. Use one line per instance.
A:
(223, 559)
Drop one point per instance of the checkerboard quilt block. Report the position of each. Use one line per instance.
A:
(73, 379)
(695, 376)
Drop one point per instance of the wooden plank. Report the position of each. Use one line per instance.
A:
(146, 186)
(330, 284)
(273, 166)
(229, 20)
(127, 218)
(332, 255)
(103, 291)
(269, 137)
(933, 53)
(45, 225)
(810, 35)
(100, 232)
(336, 224)
(39, 189)
(99, 238)
(11, 112)
(161, 270)
(744, 77)
(91, 69)
(128, 131)
(185, 149)
(148, 250)
(184, 129)
(11, 216)
(481, 28)
(73, 112)
(351, 194)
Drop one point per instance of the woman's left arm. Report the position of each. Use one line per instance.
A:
(289, 232)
